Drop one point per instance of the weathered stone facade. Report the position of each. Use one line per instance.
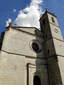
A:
(29, 56)
(54, 45)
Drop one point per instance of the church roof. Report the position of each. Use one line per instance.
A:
(30, 30)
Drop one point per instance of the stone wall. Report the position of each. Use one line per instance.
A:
(19, 63)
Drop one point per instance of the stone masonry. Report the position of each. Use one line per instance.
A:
(29, 56)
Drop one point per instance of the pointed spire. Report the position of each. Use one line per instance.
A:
(10, 24)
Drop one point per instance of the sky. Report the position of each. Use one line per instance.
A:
(27, 12)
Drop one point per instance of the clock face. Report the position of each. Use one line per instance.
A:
(56, 30)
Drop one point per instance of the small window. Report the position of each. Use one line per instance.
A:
(48, 51)
(46, 35)
(43, 21)
(53, 19)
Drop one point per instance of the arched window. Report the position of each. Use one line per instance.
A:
(52, 19)
(36, 81)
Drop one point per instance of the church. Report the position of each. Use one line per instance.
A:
(29, 56)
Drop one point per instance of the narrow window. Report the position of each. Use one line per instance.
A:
(46, 35)
(53, 19)
(43, 21)
(36, 81)
(48, 51)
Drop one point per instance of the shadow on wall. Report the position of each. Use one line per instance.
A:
(47, 70)
(54, 71)
(54, 76)
(40, 76)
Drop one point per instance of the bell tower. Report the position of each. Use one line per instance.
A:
(54, 46)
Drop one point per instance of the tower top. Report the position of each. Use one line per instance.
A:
(48, 13)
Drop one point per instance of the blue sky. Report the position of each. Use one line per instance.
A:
(27, 12)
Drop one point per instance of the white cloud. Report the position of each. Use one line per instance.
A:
(30, 15)
(14, 10)
(7, 22)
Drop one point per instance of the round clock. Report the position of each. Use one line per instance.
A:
(56, 30)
